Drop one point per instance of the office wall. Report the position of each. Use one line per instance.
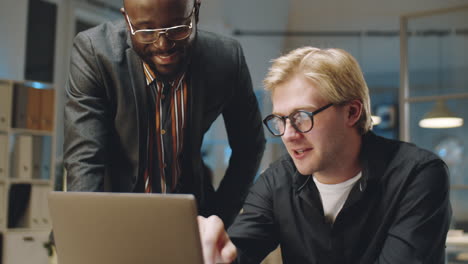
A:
(13, 24)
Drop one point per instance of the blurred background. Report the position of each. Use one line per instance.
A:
(414, 55)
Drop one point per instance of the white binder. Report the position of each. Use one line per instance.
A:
(33, 215)
(44, 210)
(23, 157)
(37, 213)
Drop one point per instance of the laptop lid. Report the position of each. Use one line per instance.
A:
(123, 228)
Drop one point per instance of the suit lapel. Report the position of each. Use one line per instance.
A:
(193, 134)
(138, 86)
(196, 93)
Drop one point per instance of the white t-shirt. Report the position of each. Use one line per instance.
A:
(334, 195)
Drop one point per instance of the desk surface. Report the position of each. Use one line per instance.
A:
(458, 240)
(457, 243)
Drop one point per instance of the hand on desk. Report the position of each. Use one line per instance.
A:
(217, 247)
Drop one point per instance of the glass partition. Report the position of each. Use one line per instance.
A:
(434, 83)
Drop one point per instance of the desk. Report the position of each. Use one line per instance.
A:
(457, 248)
(458, 241)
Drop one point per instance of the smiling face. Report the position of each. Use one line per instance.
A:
(166, 57)
(331, 146)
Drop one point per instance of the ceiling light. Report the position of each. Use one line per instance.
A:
(440, 117)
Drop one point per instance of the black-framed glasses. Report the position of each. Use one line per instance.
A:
(148, 36)
(301, 120)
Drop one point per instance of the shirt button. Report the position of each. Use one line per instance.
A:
(162, 97)
(164, 165)
(163, 131)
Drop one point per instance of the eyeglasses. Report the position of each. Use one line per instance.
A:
(301, 120)
(148, 36)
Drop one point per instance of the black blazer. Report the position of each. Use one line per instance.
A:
(106, 113)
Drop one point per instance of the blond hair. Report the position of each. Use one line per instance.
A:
(336, 73)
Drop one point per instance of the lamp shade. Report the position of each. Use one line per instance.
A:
(440, 117)
(376, 120)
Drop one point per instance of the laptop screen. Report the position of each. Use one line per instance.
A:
(113, 228)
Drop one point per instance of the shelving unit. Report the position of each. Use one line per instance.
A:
(27, 144)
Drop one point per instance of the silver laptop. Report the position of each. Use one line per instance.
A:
(118, 228)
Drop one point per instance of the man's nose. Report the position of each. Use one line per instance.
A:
(163, 42)
(290, 131)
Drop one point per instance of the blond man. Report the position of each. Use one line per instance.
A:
(342, 194)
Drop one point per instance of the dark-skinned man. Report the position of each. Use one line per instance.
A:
(141, 94)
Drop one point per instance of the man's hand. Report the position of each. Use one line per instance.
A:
(217, 247)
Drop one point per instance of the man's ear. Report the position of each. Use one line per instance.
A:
(354, 112)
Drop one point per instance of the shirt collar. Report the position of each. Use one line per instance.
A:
(149, 74)
(151, 77)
